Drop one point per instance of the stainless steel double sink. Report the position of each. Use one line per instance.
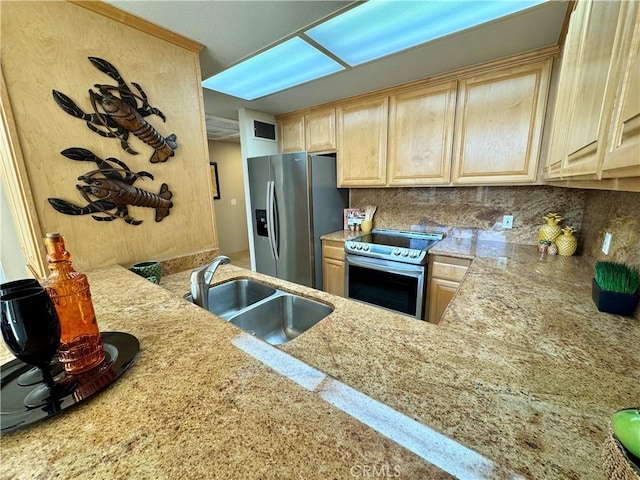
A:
(264, 311)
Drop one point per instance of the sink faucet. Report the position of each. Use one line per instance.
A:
(201, 279)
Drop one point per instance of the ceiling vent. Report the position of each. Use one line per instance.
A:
(264, 131)
(222, 129)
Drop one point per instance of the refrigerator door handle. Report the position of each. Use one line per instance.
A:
(269, 229)
(271, 219)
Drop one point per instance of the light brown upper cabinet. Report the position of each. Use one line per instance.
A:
(320, 130)
(291, 133)
(622, 157)
(312, 132)
(362, 142)
(421, 135)
(557, 146)
(499, 121)
(478, 126)
(596, 121)
(587, 101)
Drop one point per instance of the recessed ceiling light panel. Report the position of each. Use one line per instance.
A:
(378, 28)
(286, 65)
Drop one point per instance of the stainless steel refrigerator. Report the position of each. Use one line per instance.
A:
(294, 200)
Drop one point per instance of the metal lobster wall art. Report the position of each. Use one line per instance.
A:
(112, 188)
(121, 114)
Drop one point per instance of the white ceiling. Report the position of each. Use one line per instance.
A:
(233, 30)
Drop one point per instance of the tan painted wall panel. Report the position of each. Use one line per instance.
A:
(45, 46)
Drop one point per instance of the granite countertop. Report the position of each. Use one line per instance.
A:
(522, 370)
(340, 235)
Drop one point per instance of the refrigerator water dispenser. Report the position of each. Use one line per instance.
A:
(261, 223)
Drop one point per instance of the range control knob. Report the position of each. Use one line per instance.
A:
(396, 251)
(350, 245)
(405, 253)
(359, 247)
(365, 247)
(413, 254)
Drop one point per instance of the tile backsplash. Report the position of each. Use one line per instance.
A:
(469, 211)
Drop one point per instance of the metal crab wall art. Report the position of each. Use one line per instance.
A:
(121, 114)
(112, 188)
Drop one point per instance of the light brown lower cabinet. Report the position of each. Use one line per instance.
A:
(445, 275)
(333, 267)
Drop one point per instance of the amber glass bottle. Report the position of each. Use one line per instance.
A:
(80, 344)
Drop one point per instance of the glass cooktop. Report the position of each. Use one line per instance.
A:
(407, 247)
(401, 241)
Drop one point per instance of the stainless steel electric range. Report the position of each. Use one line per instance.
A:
(388, 268)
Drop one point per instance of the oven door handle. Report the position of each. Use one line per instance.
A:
(408, 271)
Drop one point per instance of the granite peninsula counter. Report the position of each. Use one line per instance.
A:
(522, 370)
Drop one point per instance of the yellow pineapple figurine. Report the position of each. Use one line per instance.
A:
(567, 243)
(551, 230)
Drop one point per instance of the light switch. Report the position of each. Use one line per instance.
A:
(233, 201)
(507, 221)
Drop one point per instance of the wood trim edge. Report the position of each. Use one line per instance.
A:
(630, 184)
(138, 23)
(565, 24)
(17, 188)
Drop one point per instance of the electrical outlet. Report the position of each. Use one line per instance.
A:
(507, 221)
(607, 243)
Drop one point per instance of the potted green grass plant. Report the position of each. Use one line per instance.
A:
(615, 288)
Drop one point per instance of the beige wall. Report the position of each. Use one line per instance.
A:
(45, 46)
(231, 221)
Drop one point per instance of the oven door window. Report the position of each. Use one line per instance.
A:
(388, 290)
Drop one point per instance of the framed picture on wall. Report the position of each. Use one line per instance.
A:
(215, 184)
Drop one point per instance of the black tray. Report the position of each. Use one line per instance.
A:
(120, 350)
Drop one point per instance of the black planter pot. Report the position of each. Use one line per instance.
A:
(613, 302)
